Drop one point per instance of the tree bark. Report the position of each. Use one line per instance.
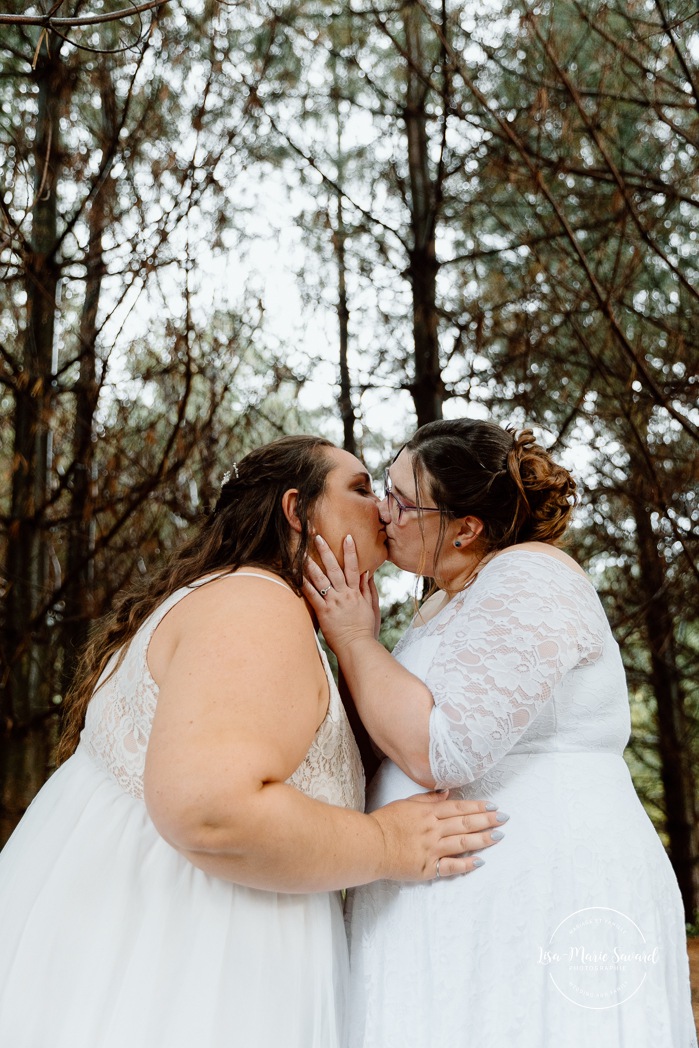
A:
(27, 689)
(339, 240)
(345, 403)
(427, 389)
(78, 609)
(673, 727)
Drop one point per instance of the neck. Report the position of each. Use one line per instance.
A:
(466, 573)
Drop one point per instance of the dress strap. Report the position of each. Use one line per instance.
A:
(150, 625)
(256, 575)
(323, 656)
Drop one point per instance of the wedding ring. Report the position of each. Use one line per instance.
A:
(438, 873)
(324, 591)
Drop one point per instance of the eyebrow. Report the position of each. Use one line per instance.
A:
(360, 476)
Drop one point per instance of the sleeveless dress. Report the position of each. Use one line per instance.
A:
(572, 935)
(109, 938)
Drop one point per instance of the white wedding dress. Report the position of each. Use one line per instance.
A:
(109, 938)
(572, 935)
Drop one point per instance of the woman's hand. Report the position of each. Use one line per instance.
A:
(345, 602)
(428, 829)
(391, 702)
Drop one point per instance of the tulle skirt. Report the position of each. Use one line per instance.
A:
(109, 938)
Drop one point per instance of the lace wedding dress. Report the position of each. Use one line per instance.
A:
(109, 938)
(572, 934)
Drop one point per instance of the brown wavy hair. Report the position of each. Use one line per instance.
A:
(247, 527)
(475, 468)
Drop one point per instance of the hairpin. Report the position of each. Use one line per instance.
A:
(227, 475)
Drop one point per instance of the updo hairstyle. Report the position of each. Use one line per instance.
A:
(507, 480)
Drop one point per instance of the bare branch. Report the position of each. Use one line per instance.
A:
(48, 21)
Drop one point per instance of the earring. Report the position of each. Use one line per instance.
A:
(457, 543)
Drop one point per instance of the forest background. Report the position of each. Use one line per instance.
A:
(223, 222)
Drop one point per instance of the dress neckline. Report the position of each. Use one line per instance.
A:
(472, 583)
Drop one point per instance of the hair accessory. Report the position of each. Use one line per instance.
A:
(227, 475)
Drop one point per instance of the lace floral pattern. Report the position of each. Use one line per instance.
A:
(501, 651)
(332, 771)
(120, 717)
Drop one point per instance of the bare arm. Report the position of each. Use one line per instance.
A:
(241, 697)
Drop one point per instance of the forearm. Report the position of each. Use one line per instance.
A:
(394, 705)
(276, 838)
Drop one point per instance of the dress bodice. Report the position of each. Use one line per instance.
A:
(120, 717)
(523, 661)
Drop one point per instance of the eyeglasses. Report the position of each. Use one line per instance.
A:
(396, 508)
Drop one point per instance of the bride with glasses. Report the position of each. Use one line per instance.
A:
(508, 685)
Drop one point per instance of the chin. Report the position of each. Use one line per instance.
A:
(370, 564)
(397, 560)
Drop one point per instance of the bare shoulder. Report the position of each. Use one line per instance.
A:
(550, 551)
(231, 611)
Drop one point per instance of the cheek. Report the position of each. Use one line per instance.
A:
(406, 552)
(326, 525)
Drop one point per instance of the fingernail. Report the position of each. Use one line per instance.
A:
(501, 817)
(491, 807)
(320, 541)
(496, 835)
(479, 862)
(349, 540)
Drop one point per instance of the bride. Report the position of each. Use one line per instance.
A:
(509, 686)
(176, 882)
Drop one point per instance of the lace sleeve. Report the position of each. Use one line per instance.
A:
(502, 656)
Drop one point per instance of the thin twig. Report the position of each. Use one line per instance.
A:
(49, 22)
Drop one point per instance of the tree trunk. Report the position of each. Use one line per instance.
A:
(673, 728)
(27, 567)
(78, 604)
(427, 389)
(339, 239)
(346, 409)
(28, 682)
